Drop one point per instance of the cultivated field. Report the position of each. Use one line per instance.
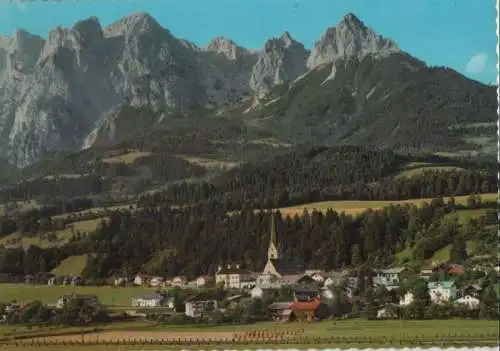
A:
(353, 329)
(354, 207)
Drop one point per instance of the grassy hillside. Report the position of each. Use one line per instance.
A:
(71, 266)
(51, 239)
(356, 207)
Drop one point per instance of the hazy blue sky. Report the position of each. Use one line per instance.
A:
(455, 33)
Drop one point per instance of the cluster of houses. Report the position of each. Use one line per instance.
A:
(309, 287)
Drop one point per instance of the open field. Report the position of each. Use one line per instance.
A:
(72, 266)
(96, 210)
(126, 158)
(63, 235)
(352, 329)
(107, 295)
(464, 216)
(416, 170)
(354, 207)
(209, 163)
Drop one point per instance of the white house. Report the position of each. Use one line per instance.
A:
(388, 277)
(138, 280)
(442, 291)
(179, 281)
(156, 281)
(469, 301)
(198, 305)
(204, 280)
(148, 300)
(234, 277)
(333, 278)
(268, 281)
(256, 293)
(407, 299)
(118, 281)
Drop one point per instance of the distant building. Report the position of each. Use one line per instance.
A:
(469, 301)
(234, 277)
(204, 280)
(333, 278)
(442, 291)
(280, 311)
(152, 300)
(256, 293)
(197, 305)
(138, 280)
(65, 299)
(156, 281)
(179, 281)
(309, 310)
(390, 277)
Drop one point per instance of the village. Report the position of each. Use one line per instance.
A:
(286, 293)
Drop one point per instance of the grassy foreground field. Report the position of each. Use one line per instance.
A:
(391, 330)
(354, 207)
(107, 295)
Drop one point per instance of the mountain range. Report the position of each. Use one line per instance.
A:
(133, 84)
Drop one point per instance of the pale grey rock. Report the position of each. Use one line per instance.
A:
(281, 61)
(58, 93)
(349, 38)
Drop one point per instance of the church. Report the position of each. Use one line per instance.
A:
(276, 265)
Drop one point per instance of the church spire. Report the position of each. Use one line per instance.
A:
(273, 229)
(272, 251)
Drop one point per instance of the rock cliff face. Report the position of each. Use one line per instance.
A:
(280, 62)
(58, 93)
(349, 38)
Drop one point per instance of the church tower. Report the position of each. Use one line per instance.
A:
(272, 251)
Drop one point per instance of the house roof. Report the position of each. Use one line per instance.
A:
(181, 277)
(333, 275)
(234, 270)
(305, 305)
(395, 270)
(234, 297)
(202, 296)
(456, 269)
(280, 305)
(445, 284)
(285, 267)
(149, 296)
(306, 288)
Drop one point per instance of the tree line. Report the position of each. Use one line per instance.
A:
(187, 240)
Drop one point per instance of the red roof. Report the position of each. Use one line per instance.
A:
(305, 305)
(456, 269)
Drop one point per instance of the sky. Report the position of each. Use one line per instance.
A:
(460, 34)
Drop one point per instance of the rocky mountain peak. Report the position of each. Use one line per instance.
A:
(286, 38)
(24, 49)
(227, 47)
(350, 37)
(281, 61)
(89, 29)
(352, 20)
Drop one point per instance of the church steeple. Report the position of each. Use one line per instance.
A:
(272, 251)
